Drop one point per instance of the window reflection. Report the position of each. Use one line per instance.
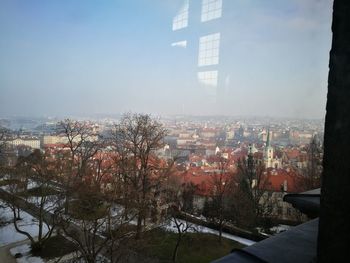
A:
(211, 9)
(181, 19)
(209, 50)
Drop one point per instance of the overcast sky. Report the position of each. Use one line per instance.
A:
(85, 57)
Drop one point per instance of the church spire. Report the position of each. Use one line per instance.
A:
(268, 138)
(268, 151)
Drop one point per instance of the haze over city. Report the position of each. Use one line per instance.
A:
(174, 131)
(61, 58)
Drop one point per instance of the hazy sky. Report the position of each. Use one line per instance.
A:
(71, 57)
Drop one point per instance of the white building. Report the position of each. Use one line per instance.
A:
(58, 139)
(31, 142)
(270, 160)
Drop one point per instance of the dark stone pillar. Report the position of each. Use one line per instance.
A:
(334, 227)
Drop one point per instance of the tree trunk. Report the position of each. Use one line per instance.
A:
(41, 220)
(220, 231)
(66, 203)
(19, 214)
(139, 226)
(176, 247)
(20, 231)
(40, 228)
(126, 208)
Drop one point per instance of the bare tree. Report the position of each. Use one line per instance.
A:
(182, 227)
(188, 192)
(311, 174)
(216, 208)
(86, 222)
(91, 221)
(138, 136)
(83, 145)
(4, 133)
(95, 227)
(174, 195)
(123, 167)
(253, 183)
(36, 171)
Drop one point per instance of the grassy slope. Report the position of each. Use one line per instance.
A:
(195, 247)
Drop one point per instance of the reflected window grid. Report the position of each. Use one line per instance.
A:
(211, 9)
(181, 19)
(209, 78)
(182, 44)
(209, 50)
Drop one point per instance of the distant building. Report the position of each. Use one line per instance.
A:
(252, 149)
(53, 139)
(271, 160)
(59, 139)
(30, 142)
(268, 154)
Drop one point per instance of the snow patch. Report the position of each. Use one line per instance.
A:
(8, 233)
(170, 226)
(26, 256)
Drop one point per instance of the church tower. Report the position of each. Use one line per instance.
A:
(268, 152)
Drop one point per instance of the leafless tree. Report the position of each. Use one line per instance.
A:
(311, 174)
(95, 227)
(86, 222)
(253, 182)
(182, 227)
(33, 176)
(123, 167)
(91, 221)
(175, 211)
(216, 208)
(4, 133)
(137, 137)
(188, 192)
(83, 145)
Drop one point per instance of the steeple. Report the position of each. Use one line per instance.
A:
(268, 151)
(268, 138)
